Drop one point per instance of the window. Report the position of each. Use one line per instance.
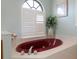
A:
(33, 4)
(32, 20)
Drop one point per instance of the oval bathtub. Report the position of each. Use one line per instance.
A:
(39, 45)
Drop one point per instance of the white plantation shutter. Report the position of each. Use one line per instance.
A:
(40, 23)
(32, 23)
(39, 18)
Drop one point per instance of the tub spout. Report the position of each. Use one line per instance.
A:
(30, 50)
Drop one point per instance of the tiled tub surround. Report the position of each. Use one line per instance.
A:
(65, 51)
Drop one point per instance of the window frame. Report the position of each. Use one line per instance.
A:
(39, 5)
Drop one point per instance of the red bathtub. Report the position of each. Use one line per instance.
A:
(39, 45)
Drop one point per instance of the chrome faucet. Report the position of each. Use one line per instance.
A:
(30, 50)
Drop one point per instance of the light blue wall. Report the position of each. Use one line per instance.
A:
(11, 14)
(47, 6)
(66, 25)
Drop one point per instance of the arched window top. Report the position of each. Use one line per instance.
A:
(33, 4)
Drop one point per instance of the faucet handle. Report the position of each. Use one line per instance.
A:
(35, 52)
(22, 52)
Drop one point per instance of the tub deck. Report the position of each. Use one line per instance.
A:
(68, 42)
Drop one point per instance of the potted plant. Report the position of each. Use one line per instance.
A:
(51, 23)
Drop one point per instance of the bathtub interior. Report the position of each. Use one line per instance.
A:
(39, 45)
